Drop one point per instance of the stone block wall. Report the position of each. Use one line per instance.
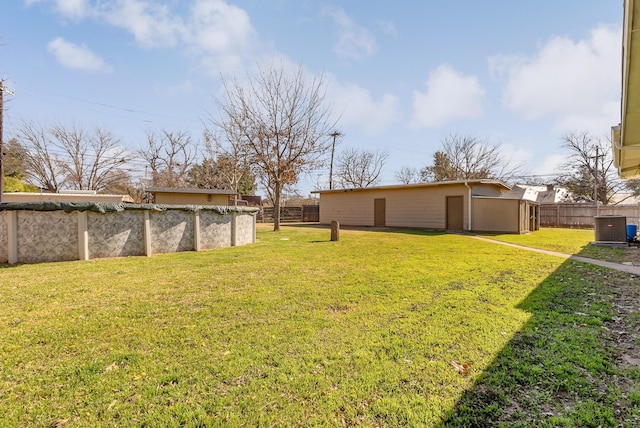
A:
(47, 236)
(36, 233)
(171, 231)
(246, 230)
(215, 230)
(119, 234)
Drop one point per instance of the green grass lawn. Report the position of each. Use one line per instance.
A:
(378, 329)
(567, 241)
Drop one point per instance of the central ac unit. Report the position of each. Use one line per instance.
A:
(611, 228)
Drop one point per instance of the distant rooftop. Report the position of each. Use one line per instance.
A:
(189, 190)
(497, 183)
(66, 196)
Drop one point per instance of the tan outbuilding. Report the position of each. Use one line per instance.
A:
(467, 205)
(190, 196)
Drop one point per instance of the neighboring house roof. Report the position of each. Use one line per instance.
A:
(541, 194)
(624, 199)
(625, 138)
(252, 201)
(64, 196)
(189, 190)
(497, 183)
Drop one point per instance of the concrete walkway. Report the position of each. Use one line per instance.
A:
(635, 270)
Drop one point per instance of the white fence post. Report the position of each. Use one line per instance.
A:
(12, 237)
(147, 234)
(254, 229)
(234, 230)
(83, 236)
(196, 230)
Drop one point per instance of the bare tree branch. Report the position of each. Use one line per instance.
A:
(359, 168)
(43, 167)
(280, 119)
(64, 156)
(408, 175)
(225, 165)
(466, 158)
(170, 156)
(582, 163)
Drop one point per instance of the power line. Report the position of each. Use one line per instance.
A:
(98, 103)
(152, 118)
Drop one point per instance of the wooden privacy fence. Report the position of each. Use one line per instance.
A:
(582, 215)
(305, 213)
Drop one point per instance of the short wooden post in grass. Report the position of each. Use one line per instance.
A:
(335, 230)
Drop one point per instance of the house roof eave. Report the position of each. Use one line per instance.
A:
(498, 183)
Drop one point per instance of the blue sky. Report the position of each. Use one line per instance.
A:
(402, 75)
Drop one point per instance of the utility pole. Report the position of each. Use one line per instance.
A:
(334, 134)
(2, 91)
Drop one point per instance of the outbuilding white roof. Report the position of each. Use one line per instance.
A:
(497, 183)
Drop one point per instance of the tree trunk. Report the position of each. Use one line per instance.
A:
(276, 209)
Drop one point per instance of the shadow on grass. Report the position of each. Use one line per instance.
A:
(406, 231)
(565, 367)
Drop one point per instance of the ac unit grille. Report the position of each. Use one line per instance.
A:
(611, 229)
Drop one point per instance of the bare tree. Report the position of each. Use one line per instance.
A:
(170, 156)
(43, 164)
(225, 165)
(359, 167)
(586, 155)
(96, 160)
(466, 158)
(282, 121)
(408, 175)
(62, 156)
(128, 185)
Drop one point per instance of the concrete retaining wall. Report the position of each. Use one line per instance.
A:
(37, 234)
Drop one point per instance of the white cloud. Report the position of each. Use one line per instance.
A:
(358, 107)
(220, 34)
(73, 8)
(551, 165)
(69, 8)
(577, 84)
(516, 156)
(77, 57)
(354, 41)
(152, 24)
(450, 96)
(183, 88)
(216, 34)
(387, 27)
(219, 27)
